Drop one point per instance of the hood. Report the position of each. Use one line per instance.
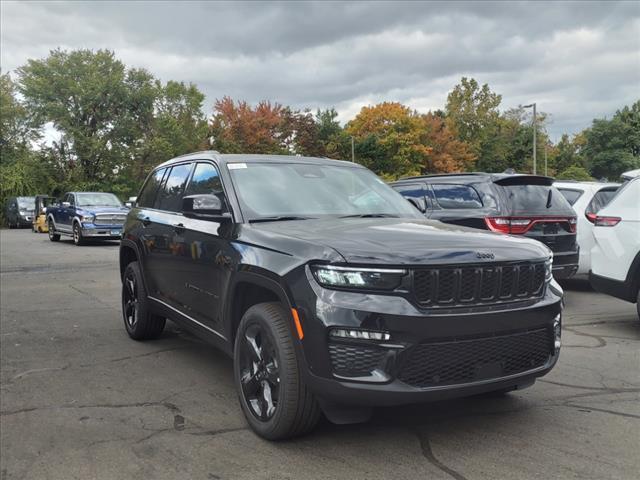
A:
(94, 210)
(397, 241)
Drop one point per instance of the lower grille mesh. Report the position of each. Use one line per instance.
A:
(463, 361)
(355, 360)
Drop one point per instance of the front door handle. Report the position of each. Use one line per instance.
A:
(179, 228)
(146, 221)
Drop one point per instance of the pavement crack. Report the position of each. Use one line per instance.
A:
(170, 406)
(146, 354)
(601, 341)
(603, 410)
(219, 431)
(427, 452)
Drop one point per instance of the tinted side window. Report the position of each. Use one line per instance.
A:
(170, 193)
(572, 196)
(148, 194)
(71, 199)
(205, 180)
(456, 196)
(413, 191)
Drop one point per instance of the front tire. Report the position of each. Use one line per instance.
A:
(274, 399)
(78, 239)
(139, 322)
(53, 236)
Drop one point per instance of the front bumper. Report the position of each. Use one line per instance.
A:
(397, 371)
(90, 230)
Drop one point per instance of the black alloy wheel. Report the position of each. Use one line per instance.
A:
(274, 398)
(130, 304)
(139, 320)
(259, 372)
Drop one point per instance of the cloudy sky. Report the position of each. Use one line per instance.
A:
(576, 60)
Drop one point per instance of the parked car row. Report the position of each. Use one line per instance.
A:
(334, 292)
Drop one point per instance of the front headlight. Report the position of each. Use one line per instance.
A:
(87, 218)
(548, 269)
(358, 278)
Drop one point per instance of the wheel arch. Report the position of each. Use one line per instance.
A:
(250, 289)
(128, 253)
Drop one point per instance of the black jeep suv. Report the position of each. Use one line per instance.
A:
(525, 205)
(330, 291)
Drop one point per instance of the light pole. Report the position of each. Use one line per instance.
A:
(353, 151)
(535, 164)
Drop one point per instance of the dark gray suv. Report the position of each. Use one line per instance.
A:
(330, 291)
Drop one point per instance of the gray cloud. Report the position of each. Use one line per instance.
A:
(577, 60)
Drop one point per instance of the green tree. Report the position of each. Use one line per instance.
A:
(574, 172)
(177, 126)
(613, 146)
(472, 112)
(98, 106)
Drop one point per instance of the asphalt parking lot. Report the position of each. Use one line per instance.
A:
(80, 400)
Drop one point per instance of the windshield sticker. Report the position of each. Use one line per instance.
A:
(235, 166)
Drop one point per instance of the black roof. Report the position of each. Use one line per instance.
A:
(482, 176)
(224, 158)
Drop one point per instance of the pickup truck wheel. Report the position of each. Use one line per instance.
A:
(139, 322)
(78, 239)
(53, 236)
(273, 397)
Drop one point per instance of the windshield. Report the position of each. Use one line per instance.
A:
(26, 203)
(296, 189)
(97, 200)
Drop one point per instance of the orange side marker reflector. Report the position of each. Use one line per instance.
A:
(296, 320)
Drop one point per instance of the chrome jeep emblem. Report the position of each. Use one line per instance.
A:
(485, 255)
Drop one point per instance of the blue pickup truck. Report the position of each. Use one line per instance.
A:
(85, 216)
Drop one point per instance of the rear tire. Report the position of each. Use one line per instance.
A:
(53, 236)
(139, 322)
(274, 399)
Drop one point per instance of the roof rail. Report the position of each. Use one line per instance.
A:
(433, 175)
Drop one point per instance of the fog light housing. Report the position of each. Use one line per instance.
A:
(557, 333)
(353, 334)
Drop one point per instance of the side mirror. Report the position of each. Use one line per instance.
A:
(205, 207)
(418, 204)
(66, 204)
(131, 202)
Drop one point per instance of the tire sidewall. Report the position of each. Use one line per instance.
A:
(289, 375)
(77, 238)
(143, 307)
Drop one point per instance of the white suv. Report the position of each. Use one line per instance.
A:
(586, 198)
(615, 256)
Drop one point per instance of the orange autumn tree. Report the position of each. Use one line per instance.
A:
(390, 139)
(448, 154)
(241, 128)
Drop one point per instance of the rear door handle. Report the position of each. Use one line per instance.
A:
(146, 221)
(179, 228)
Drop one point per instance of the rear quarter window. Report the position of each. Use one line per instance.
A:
(601, 199)
(571, 195)
(451, 196)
